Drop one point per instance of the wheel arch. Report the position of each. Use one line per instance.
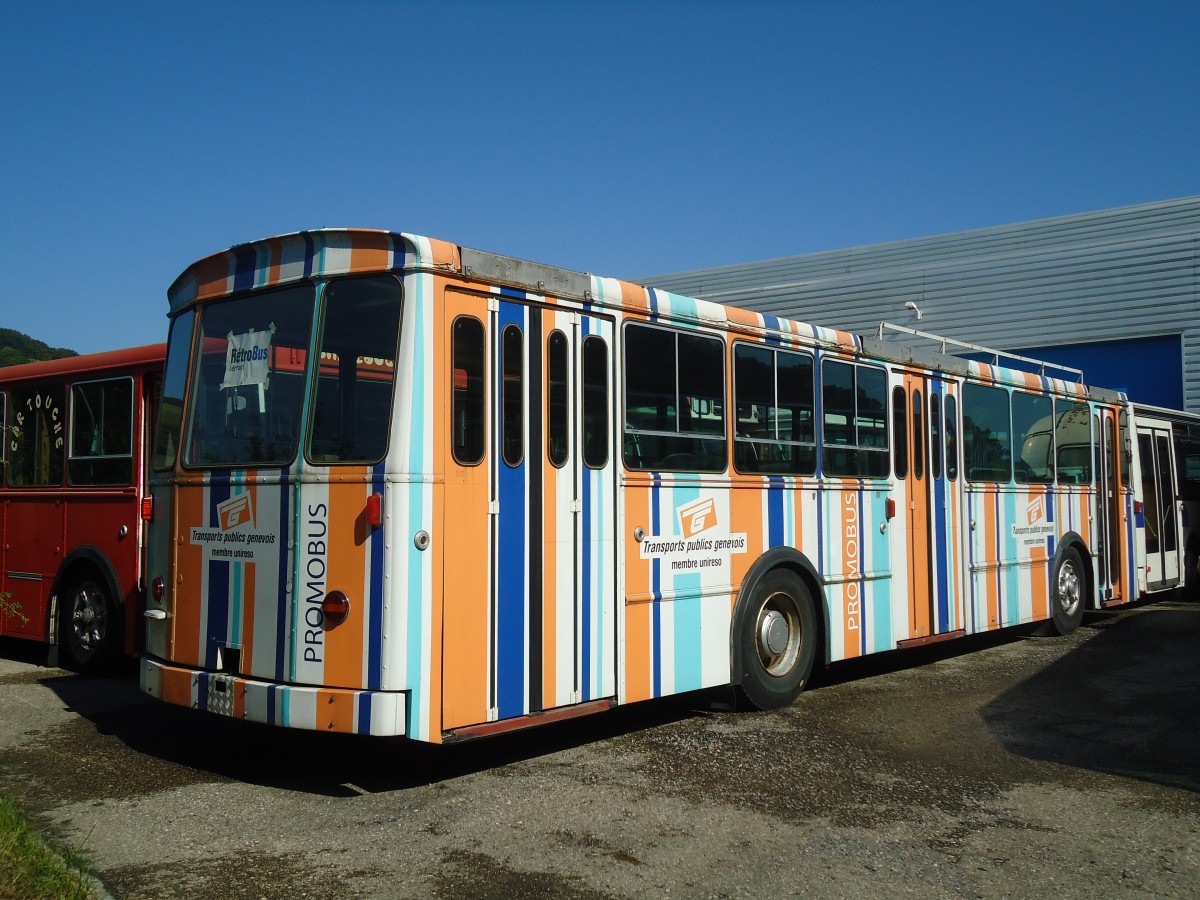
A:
(1074, 540)
(778, 558)
(78, 560)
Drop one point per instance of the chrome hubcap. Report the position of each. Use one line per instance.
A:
(1067, 589)
(779, 633)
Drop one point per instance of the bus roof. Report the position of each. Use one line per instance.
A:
(352, 251)
(91, 363)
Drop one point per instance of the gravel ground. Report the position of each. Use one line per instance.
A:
(1009, 766)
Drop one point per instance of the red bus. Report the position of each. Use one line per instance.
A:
(71, 500)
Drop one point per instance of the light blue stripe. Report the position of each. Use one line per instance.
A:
(414, 664)
(1012, 579)
(881, 589)
(688, 639)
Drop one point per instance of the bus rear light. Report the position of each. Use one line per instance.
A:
(375, 510)
(159, 588)
(336, 607)
(147, 509)
(1137, 507)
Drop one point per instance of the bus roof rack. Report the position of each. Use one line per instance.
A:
(997, 355)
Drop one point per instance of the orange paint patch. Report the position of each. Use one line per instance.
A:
(370, 251)
(346, 561)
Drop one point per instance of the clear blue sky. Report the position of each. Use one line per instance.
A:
(622, 138)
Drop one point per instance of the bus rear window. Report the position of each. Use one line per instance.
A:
(352, 409)
(248, 382)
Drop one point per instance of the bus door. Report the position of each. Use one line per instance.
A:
(1110, 497)
(930, 474)
(1160, 505)
(530, 489)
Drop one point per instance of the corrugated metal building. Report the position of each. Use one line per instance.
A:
(1115, 293)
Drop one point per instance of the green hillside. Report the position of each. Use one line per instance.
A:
(16, 347)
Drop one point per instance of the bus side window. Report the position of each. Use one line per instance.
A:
(101, 450)
(987, 434)
(1033, 434)
(467, 407)
(1073, 443)
(595, 402)
(951, 438)
(674, 400)
(37, 436)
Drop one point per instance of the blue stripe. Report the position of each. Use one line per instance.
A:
(310, 252)
(202, 691)
(774, 324)
(941, 549)
(510, 563)
(364, 713)
(281, 595)
(653, 295)
(375, 595)
(775, 497)
(218, 578)
(656, 590)
(589, 596)
(271, 689)
(245, 264)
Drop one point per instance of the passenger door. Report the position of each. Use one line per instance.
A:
(929, 471)
(1161, 506)
(529, 609)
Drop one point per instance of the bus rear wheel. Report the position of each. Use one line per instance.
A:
(1067, 592)
(776, 634)
(89, 624)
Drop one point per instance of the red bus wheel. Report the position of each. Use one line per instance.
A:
(89, 624)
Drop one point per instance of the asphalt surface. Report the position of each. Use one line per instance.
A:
(1002, 766)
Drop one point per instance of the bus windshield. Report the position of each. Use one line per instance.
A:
(248, 379)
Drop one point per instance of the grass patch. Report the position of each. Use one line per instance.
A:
(29, 868)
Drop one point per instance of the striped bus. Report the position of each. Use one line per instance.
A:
(403, 487)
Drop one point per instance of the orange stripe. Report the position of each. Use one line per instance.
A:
(369, 251)
(1039, 590)
(177, 686)
(461, 629)
(638, 683)
(189, 570)
(991, 576)
(550, 599)
(346, 572)
(212, 276)
(849, 525)
(335, 711)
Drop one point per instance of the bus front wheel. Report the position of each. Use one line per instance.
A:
(89, 623)
(776, 635)
(1067, 592)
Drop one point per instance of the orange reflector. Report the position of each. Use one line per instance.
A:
(147, 509)
(1137, 507)
(375, 510)
(335, 606)
(891, 509)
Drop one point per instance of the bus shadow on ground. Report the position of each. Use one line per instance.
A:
(1126, 702)
(146, 745)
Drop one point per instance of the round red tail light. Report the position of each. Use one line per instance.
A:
(335, 606)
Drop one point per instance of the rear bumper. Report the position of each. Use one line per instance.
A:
(340, 710)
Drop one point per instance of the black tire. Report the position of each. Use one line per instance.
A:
(775, 636)
(1067, 590)
(89, 628)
